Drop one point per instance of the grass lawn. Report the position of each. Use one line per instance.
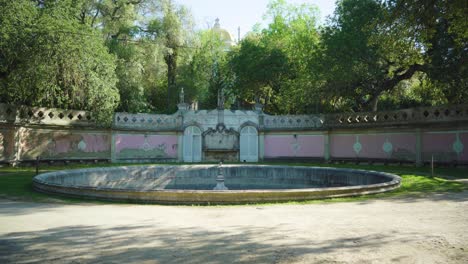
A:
(16, 183)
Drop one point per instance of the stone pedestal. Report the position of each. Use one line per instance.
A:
(220, 180)
(183, 107)
(217, 155)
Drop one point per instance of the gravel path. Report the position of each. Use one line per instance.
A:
(432, 229)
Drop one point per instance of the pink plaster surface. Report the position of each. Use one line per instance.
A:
(7, 146)
(63, 144)
(127, 141)
(443, 143)
(96, 143)
(438, 142)
(282, 146)
(464, 140)
(372, 145)
(342, 146)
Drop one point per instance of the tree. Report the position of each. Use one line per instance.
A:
(206, 72)
(260, 71)
(120, 24)
(362, 59)
(441, 29)
(50, 59)
(275, 64)
(172, 29)
(294, 31)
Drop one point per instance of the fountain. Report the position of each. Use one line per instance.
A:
(220, 179)
(193, 184)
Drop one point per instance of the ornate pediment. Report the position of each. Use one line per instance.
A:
(220, 138)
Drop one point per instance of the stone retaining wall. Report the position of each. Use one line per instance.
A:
(415, 135)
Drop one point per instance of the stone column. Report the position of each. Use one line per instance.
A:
(112, 143)
(17, 147)
(261, 146)
(419, 148)
(326, 148)
(180, 146)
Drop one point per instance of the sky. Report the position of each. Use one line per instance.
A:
(241, 13)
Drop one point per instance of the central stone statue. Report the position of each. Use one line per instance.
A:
(182, 96)
(221, 99)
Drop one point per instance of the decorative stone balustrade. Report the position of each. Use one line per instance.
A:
(399, 117)
(44, 116)
(175, 122)
(293, 122)
(147, 122)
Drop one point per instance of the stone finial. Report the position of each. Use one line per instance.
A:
(220, 179)
(221, 98)
(182, 96)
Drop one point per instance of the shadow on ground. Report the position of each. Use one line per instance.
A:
(150, 244)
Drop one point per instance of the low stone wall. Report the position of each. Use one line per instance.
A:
(372, 145)
(417, 135)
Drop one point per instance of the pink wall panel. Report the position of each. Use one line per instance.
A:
(289, 146)
(96, 143)
(404, 146)
(464, 140)
(342, 146)
(372, 146)
(442, 146)
(145, 146)
(7, 144)
(63, 144)
(438, 142)
(397, 146)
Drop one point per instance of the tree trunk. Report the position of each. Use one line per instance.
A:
(374, 103)
(171, 75)
(390, 83)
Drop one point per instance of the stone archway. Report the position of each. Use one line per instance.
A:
(249, 144)
(192, 144)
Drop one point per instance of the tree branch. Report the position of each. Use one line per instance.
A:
(95, 17)
(390, 83)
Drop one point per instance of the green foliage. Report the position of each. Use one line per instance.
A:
(259, 69)
(361, 59)
(136, 55)
(118, 20)
(414, 92)
(206, 72)
(275, 63)
(171, 29)
(441, 28)
(52, 60)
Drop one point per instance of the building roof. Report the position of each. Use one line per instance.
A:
(225, 35)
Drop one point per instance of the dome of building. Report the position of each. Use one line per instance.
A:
(225, 35)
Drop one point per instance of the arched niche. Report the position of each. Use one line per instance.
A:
(248, 144)
(192, 148)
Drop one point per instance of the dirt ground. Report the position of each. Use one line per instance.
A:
(432, 229)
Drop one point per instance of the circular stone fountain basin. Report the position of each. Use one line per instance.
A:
(188, 184)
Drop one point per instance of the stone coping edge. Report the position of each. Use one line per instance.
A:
(211, 196)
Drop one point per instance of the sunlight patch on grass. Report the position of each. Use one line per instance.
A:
(16, 183)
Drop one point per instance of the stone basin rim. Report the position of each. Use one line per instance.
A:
(213, 196)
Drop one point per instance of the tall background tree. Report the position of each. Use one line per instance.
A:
(136, 55)
(441, 29)
(361, 59)
(274, 64)
(49, 58)
(401, 53)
